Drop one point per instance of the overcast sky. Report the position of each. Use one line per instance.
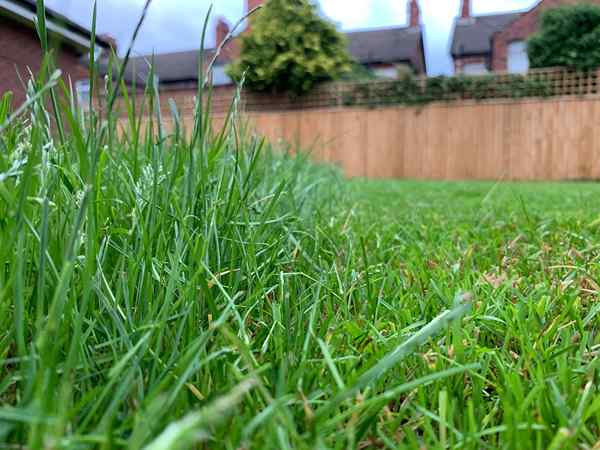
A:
(174, 25)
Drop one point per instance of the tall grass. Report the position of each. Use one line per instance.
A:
(167, 289)
(164, 288)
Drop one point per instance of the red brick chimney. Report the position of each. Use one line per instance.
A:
(250, 5)
(222, 30)
(465, 11)
(110, 40)
(414, 13)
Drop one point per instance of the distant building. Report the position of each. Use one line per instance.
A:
(496, 42)
(20, 50)
(384, 50)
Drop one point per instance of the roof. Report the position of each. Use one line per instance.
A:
(374, 46)
(168, 67)
(25, 11)
(385, 45)
(473, 35)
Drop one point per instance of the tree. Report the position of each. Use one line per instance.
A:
(290, 48)
(569, 37)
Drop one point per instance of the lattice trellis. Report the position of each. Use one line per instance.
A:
(408, 91)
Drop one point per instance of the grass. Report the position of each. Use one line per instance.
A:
(197, 290)
(529, 255)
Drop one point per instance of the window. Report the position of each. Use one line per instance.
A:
(478, 68)
(386, 72)
(517, 59)
(82, 88)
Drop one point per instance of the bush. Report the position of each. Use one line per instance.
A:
(569, 37)
(290, 49)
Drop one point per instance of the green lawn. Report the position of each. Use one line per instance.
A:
(200, 291)
(528, 255)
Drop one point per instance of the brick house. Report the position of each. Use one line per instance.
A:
(385, 50)
(382, 50)
(496, 42)
(20, 50)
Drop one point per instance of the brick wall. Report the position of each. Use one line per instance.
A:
(521, 29)
(20, 52)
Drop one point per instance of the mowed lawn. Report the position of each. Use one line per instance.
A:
(528, 255)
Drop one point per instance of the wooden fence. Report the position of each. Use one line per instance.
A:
(488, 132)
(553, 139)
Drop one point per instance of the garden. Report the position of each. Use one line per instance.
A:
(203, 289)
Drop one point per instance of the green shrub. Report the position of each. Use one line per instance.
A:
(290, 49)
(569, 37)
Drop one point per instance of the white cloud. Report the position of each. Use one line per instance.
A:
(350, 15)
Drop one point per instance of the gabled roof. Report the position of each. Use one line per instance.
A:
(24, 11)
(473, 35)
(179, 66)
(168, 67)
(385, 45)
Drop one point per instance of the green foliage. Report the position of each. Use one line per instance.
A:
(358, 72)
(410, 90)
(290, 49)
(569, 37)
(5, 103)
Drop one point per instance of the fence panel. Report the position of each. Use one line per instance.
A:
(553, 139)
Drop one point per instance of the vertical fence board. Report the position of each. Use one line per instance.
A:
(595, 153)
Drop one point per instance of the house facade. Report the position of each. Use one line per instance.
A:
(496, 42)
(383, 50)
(388, 51)
(20, 50)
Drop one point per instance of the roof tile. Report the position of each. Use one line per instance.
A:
(473, 36)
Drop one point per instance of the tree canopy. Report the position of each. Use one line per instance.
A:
(290, 48)
(569, 37)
